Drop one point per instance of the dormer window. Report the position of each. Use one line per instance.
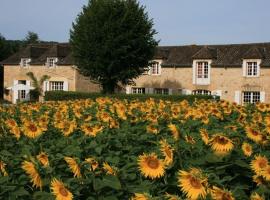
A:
(51, 62)
(201, 72)
(251, 68)
(25, 62)
(155, 68)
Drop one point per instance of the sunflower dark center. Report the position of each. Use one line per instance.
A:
(222, 140)
(262, 163)
(195, 183)
(255, 133)
(153, 163)
(32, 127)
(63, 191)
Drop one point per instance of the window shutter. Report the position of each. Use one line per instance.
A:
(15, 92)
(194, 72)
(45, 86)
(258, 69)
(149, 90)
(170, 91)
(128, 90)
(28, 83)
(244, 68)
(262, 97)
(186, 92)
(237, 97)
(65, 86)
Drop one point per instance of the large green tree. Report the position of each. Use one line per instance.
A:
(112, 41)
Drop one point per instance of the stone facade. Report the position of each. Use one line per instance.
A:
(70, 77)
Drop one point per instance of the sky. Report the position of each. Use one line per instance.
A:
(178, 22)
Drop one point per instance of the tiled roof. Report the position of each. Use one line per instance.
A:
(173, 56)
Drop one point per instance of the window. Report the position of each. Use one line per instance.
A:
(251, 97)
(155, 68)
(161, 91)
(138, 90)
(251, 68)
(25, 62)
(23, 82)
(201, 92)
(51, 62)
(56, 85)
(202, 69)
(201, 72)
(22, 94)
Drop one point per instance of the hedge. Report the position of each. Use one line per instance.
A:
(64, 95)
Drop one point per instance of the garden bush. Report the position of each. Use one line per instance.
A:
(64, 95)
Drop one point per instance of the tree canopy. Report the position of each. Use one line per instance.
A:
(31, 38)
(113, 41)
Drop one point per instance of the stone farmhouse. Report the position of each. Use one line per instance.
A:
(238, 73)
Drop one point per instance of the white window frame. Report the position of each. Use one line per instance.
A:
(163, 91)
(201, 92)
(201, 80)
(56, 85)
(245, 67)
(157, 64)
(138, 90)
(254, 97)
(25, 62)
(51, 62)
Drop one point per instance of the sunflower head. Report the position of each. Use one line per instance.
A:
(221, 145)
(150, 166)
(256, 196)
(193, 183)
(247, 149)
(258, 164)
(60, 191)
(73, 166)
(43, 159)
(219, 194)
(167, 152)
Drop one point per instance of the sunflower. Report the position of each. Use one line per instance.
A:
(43, 159)
(31, 130)
(189, 139)
(193, 183)
(150, 166)
(167, 152)
(30, 169)
(259, 164)
(253, 134)
(256, 196)
(174, 131)
(152, 128)
(171, 197)
(93, 163)
(60, 191)
(3, 168)
(109, 170)
(258, 179)
(266, 173)
(204, 136)
(247, 149)
(221, 145)
(16, 132)
(73, 166)
(11, 123)
(139, 196)
(218, 194)
(67, 127)
(89, 130)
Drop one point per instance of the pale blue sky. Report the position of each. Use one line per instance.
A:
(177, 22)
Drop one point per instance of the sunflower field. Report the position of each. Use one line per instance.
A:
(109, 149)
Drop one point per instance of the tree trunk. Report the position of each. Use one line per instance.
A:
(108, 87)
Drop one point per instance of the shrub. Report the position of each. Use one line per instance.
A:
(63, 95)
